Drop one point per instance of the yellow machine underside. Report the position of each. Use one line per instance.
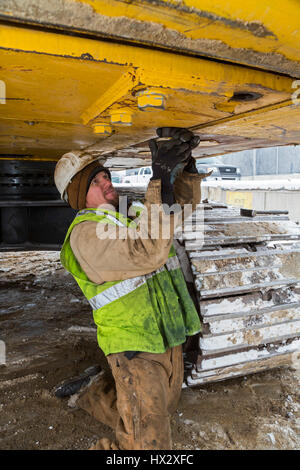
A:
(227, 70)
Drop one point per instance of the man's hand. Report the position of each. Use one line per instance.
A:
(190, 166)
(168, 154)
(169, 157)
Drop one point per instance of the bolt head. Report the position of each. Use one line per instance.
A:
(150, 99)
(102, 128)
(121, 117)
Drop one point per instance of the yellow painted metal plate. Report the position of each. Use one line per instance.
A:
(59, 86)
(261, 33)
(281, 125)
(240, 198)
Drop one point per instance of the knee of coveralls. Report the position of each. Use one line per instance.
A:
(147, 387)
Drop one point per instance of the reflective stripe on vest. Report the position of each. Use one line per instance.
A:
(129, 285)
(99, 212)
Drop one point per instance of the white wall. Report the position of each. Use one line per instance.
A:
(255, 199)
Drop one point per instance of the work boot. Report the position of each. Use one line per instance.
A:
(71, 386)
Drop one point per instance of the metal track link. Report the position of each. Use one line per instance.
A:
(246, 276)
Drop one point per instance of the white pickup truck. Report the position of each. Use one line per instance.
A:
(138, 175)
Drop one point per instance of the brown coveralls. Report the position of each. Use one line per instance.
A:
(145, 391)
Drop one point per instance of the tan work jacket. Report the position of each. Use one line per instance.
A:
(124, 257)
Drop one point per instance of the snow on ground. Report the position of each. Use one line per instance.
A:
(260, 184)
(263, 185)
(50, 336)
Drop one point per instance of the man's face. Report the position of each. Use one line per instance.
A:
(101, 191)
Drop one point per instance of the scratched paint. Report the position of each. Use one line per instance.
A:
(262, 33)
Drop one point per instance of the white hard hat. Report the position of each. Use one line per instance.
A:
(67, 167)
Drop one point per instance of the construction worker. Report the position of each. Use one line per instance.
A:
(136, 288)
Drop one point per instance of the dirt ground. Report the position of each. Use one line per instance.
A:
(49, 334)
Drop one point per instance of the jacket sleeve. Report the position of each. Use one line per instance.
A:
(187, 188)
(110, 253)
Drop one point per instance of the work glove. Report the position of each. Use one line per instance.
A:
(190, 166)
(169, 157)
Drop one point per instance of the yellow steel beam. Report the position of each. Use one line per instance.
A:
(58, 84)
(262, 33)
(246, 114)
(173, 70)
(120, 88)
(266, 26)
(281, 124)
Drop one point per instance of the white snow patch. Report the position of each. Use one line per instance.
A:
(271, 437)
(263, 185)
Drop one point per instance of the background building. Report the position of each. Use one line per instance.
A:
(273, 162)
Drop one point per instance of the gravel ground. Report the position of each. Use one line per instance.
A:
(49, 334)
